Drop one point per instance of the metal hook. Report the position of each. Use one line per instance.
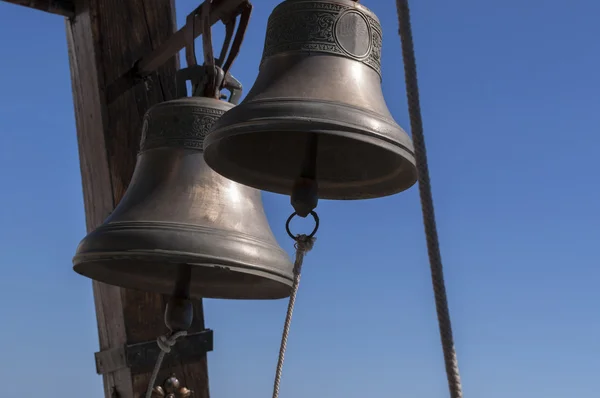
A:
(216, 75)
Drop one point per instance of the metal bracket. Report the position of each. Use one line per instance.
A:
(198, 75)
(141, 357)
(221, 10)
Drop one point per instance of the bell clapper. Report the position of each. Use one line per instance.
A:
(304, 198)
(305, 192)
(179, 315)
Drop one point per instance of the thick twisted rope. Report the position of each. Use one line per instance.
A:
(433, 246)
(304, 244)
(165, 343)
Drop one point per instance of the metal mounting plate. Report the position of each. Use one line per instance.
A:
(141, 357)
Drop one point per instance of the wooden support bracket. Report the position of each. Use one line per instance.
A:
(105, 38)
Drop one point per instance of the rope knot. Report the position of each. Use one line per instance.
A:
(304, 243)
(165, 342)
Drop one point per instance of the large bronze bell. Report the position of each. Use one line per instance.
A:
(178, 211)
(318, 91)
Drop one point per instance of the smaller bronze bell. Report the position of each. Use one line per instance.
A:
(316, 105)
(178, 211)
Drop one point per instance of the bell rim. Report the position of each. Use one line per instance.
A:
(84, 262)
(396, 141)
(96, 263)
(201, 260)
(278, 186)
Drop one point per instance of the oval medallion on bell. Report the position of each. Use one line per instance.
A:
(318, 91)
(178, 211)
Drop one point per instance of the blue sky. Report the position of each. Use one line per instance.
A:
(511, 105)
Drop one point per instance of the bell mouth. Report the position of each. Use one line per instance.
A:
(209, 280)
(146, 256)
(360, 155)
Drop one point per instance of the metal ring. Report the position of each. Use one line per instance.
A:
(314, 231)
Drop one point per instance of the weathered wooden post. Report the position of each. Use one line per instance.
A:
(105, 38)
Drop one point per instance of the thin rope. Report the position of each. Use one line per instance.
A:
(433, 246)
(165, 343)
(303, 245)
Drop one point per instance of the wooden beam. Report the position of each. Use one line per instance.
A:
(105, 38)
(66, 8)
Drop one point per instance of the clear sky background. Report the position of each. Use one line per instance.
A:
(511, 105)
